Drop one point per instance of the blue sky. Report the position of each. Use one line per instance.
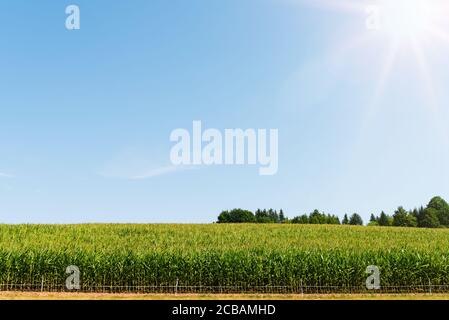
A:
(84, 111)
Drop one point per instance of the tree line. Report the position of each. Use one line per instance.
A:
(246, 216)
(434, 215)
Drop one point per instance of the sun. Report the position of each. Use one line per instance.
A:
(408, 18)
(415, 25)
(408, 27)
(396, 18)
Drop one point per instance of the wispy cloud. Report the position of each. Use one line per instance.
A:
(146, 174)
(160, 171)
(137, 163)
(6, 175)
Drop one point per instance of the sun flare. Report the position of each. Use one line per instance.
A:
(406, 17)
(404, 34)
(409, 18)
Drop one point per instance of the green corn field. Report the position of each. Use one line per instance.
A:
(248, 257)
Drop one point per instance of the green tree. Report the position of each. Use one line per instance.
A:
(331, 219)
(402, 218)
(304, 219)
(412, 222)
(345, 219)
(317, 218)
(356, 220)
(236, 216)
(419, 215)
(442, 209)
(373, 220)
(384, 220)
(429, 219)
(273, 216)
(262, 216)
(281, 216)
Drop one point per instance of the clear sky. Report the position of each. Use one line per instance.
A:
(362, 113)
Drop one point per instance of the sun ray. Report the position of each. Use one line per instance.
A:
(403, 22)
(382, 81)
(408, 28)
(438, 33)
(430, 90)
(425, 72)
(386, 69)
(341, 52)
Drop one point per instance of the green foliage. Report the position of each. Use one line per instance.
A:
(355, 220)
(222, 255)
(435, 215)
(269, 216)
(316, 217)
(384, 220)
(429, 219)
(441, 208)
(236, 216)
(245, 216)
(331, 219)
(281, 216)
(419, 215)
(402, 218)
(304, 219)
